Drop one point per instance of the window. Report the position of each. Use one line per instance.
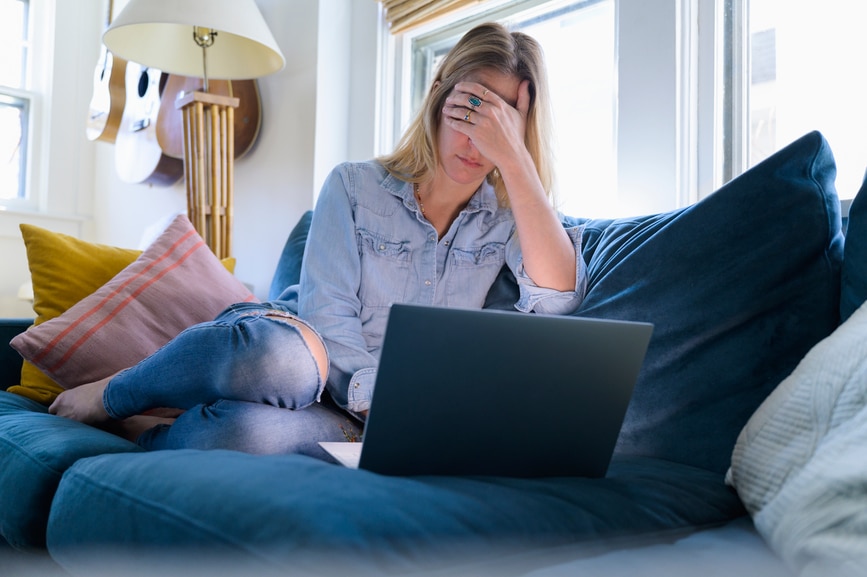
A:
(804, 74)
(14, 99)
(578, 37)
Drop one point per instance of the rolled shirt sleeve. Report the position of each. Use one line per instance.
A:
(533, 298)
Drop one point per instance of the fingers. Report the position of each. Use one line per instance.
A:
(462, 106)
(470, 97)
(474, 105)
(479, 101)
(471, 103)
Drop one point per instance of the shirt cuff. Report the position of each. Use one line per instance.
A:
(360, 390)
(533, 298)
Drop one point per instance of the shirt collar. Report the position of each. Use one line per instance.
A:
(485, 198)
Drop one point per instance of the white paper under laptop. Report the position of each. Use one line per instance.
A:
(485, 392)
(347, 454)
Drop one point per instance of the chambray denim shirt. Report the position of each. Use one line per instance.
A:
(369, 246)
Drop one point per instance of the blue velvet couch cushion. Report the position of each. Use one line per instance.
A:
(289, 265)
(853, 291)
(296, 513)
(739, 287)
(10, 360)
(35, 450)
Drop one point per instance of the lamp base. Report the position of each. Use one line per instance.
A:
(208, 126)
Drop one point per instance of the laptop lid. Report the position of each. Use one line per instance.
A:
(486, 392)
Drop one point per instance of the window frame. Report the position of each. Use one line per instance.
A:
(733, 65)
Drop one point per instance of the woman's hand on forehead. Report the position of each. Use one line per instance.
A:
(481, 92)
(494, 126)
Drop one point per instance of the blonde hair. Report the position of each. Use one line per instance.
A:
(488, 46)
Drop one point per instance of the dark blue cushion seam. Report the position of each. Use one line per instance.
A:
(25, 453)
(168, 512)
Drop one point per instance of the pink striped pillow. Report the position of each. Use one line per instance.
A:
(176, 283)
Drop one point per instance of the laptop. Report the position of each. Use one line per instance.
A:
(489, 392)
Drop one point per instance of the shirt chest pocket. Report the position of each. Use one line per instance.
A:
(471, 272)
(490, 254)
(385, 268)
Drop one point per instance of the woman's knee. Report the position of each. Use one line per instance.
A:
(252, 356)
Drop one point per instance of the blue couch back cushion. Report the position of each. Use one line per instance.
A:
(10, 360)
(739, 287)
(853, 291)
(289, 266)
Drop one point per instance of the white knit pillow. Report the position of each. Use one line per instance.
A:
(800, 463)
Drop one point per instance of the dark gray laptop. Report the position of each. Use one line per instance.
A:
(485, 392)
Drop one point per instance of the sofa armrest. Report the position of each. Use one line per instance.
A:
(10, 360)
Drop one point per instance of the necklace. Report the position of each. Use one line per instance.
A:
(418, 198)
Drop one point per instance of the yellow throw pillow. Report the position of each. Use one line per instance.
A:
(65, 270)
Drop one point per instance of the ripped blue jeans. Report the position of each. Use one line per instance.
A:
(246, 381)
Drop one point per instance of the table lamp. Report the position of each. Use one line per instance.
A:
(208, 39)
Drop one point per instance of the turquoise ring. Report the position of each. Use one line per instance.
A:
(475, 101)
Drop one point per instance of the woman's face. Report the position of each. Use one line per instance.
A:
(459, 159)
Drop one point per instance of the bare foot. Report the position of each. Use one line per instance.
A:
(83, 403)
(131, 428)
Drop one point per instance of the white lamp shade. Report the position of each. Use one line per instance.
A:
(159, 34)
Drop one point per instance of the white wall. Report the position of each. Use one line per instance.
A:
(316, 112)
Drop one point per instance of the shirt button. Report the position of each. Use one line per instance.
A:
(382, 247)
(427, 283)
(357, 385)
(447, 243)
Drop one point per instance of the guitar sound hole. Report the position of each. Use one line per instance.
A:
(143, 82)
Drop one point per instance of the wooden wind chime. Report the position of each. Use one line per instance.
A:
(209, 152)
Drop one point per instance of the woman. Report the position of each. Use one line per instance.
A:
(466, 191)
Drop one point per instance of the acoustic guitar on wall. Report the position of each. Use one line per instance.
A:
(138, 156)
(109, 92)
(248, 119)
(108, 100)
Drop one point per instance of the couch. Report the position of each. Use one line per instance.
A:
(743, 287)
